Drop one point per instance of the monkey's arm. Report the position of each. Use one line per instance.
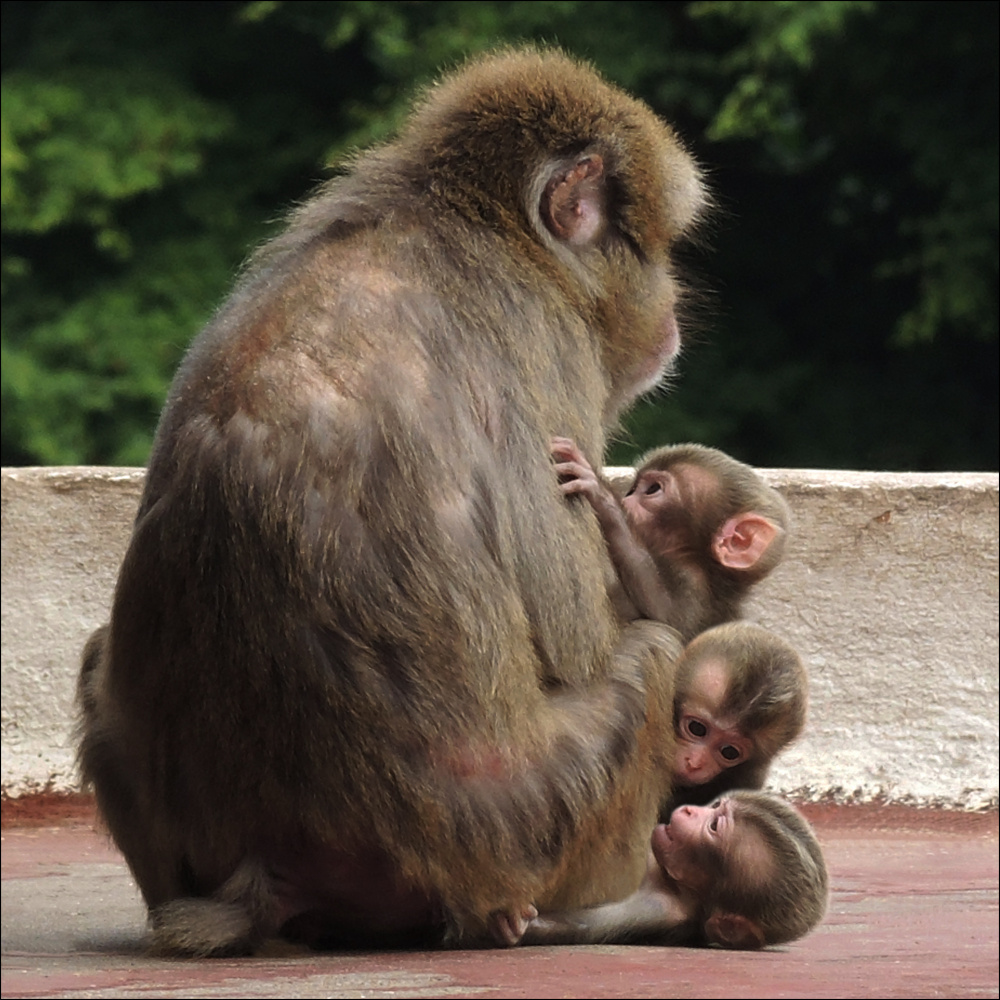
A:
(637, 571)
(643, 915)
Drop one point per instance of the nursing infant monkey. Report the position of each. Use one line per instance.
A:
(693, 533)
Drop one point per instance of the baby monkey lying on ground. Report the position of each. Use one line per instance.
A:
(694, 532)
(743, 872)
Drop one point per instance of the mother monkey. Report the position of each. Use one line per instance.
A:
(361, 674)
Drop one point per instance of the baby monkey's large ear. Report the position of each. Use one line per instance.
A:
(731, 930)
(743, 540)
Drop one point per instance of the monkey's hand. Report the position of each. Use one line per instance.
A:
(508, 928)
(576, 474)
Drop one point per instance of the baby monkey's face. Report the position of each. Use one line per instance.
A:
(707, 741)
(691, 847)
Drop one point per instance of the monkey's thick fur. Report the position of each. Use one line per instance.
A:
(361, 673)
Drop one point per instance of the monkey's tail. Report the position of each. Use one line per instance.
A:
(203, 928)
(234, 921)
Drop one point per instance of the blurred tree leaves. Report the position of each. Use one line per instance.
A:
(847, 312)
(77, 143)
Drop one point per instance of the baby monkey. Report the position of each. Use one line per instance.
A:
(694, 532)
(743, 872)
(740, 697)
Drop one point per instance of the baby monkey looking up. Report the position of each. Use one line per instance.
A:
(694, 532)
(743, 872)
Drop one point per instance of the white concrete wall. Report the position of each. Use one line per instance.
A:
(889, 591)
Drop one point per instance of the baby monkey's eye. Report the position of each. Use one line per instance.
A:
(714, 825)
(730, 753)
(653, 487)
(696, 728)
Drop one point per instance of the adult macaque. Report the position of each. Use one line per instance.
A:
(744, 872)
(362, 676)
(694, 532)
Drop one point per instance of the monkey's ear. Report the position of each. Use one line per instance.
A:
(572, 205)
(742, 540)
(732, 930)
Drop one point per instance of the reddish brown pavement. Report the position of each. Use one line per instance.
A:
(913, 914)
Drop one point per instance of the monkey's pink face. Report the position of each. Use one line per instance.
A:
(701, 845)
(653, 493)
(707, 741)
(660, 506)
(689, 848)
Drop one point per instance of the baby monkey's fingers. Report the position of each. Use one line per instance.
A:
(564, 449)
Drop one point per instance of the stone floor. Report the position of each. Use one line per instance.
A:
(913, 914)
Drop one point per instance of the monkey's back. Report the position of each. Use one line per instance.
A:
(351, 526)
(355, 609)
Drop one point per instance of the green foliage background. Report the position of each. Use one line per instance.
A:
(845, 312)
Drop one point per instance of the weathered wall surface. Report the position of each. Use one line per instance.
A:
(889, 591)
(890, 595)
(64, 535)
